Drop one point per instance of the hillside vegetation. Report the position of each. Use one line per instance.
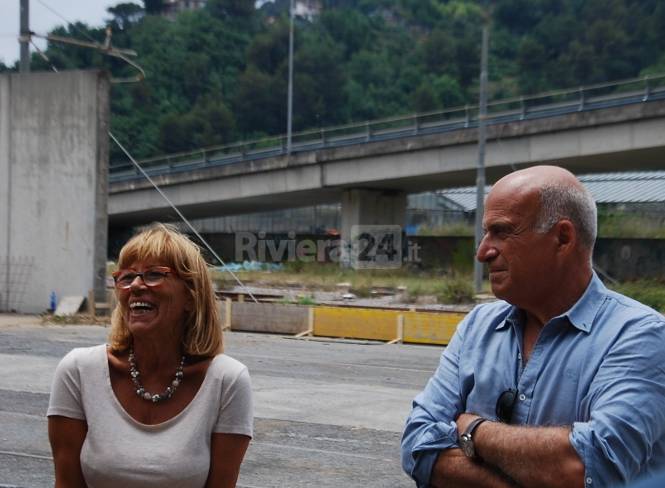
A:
(220, 74)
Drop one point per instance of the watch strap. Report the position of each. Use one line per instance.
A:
(466, 439)
(471, 428)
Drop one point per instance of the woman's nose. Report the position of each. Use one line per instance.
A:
(138, 282)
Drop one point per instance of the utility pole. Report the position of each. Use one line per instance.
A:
(24, 39)
(289, 116)
(480, 168)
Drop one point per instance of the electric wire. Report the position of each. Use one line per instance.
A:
(105, 48)
(138, 166)
(53, 11)
(182, 217)
(43, 56)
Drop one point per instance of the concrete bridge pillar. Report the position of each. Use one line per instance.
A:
(369, 207)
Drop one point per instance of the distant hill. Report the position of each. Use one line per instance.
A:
(220, 74)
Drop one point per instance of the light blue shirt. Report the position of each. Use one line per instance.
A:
(599, 368)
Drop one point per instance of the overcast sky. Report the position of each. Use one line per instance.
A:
(42, 20)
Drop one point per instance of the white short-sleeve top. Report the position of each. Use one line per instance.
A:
(120, 452)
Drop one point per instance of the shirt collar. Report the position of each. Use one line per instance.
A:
(580, 315)
(514, 317)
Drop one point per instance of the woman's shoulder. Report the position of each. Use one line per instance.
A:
(225, 365)
(228, 371)
(83, 356)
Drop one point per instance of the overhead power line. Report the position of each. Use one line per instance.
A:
(182, 217)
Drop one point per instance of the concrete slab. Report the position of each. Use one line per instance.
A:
(328, 414)
(12, 320)
(69, 305)
(332, 403)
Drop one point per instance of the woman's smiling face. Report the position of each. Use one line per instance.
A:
(158, 309)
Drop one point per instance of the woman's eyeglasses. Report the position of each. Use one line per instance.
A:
(152, 277)
(505, 405)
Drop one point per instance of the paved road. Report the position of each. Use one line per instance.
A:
(328, 414)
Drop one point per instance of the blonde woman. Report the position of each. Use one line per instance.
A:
(160, 405)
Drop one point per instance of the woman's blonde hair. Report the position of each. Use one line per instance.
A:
(166, 245)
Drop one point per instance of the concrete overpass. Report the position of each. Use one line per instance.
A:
(372, 178)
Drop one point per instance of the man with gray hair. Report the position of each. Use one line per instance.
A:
(559, 383)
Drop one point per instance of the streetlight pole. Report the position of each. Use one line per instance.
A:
(289, 116)
(480, 168)
(24, 39)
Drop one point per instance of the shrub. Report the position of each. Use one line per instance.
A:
(306, 300)
(649, 292)
(456, 289)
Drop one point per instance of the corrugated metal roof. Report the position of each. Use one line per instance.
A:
(628, 187)
(632, 187)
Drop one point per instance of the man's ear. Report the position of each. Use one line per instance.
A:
(566, 234)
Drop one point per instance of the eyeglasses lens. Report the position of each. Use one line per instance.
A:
(505, 405)
(124, 279)
(153, 278)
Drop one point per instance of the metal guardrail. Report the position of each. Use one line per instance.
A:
(548, 104)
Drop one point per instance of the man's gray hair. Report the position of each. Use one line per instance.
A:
(568, 202)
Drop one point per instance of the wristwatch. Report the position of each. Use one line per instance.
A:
(466, 439)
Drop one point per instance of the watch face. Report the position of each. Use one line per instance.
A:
(467, 446)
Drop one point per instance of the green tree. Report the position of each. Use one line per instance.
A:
(259, 103)
(318, 98)
(440, 53)
(225, 9)
(424, 98)
(125, 15)
(153, 7)
(269, 50)
(448, 92)
(349, 29)
(177, 131)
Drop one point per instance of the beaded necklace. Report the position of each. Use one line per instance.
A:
(146, 395)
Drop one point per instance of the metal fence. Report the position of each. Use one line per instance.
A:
(14, 277)
(548, 104)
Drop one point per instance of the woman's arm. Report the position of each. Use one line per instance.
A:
(226, 454)
(66, 437)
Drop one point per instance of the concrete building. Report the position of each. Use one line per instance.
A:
(640, 194)
(307, 9)
(53, 187)
(173, 7)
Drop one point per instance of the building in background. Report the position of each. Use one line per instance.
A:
(304, 9)
(634, 199)
(173, 7)
(308, 9)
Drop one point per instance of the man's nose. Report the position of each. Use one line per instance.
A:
(486, 252)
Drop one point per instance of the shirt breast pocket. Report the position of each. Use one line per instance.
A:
(489, 382)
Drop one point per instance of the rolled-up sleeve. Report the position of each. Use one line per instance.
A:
(431, 425)
(625, 404)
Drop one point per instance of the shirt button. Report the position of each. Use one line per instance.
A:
(522, 398)
(589, 480)
(519, 355)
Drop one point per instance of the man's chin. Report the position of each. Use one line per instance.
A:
(499, 289)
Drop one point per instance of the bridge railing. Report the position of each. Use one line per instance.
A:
(547, 104)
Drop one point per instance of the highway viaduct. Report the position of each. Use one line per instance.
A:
(371, 179)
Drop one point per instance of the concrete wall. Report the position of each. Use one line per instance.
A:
(53, 186)
(268, 317)
(631, 259)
